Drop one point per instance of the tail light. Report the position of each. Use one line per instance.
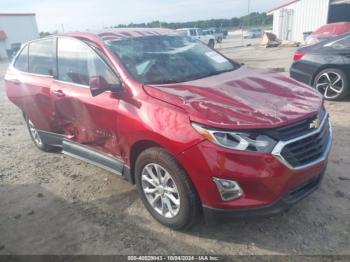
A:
(298, 56)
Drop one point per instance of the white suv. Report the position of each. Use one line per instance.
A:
(198, 34)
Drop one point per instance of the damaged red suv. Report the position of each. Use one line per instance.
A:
(195, 131)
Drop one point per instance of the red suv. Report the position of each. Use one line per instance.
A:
(195, 131)
(327, 32)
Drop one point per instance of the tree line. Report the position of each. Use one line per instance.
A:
(254, 19)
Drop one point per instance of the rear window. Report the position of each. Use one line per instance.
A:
(42, 55)
(21, 62)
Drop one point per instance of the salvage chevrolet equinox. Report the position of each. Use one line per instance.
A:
(195, 131)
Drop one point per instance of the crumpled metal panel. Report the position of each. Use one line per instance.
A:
(242, 99)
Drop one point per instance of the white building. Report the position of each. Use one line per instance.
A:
(15, 29)
(298, 17)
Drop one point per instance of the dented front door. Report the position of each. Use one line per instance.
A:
(91, 121)
(87, 120)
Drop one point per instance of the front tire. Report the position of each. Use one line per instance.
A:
(165, 189)
(332, 83)
(35, 136)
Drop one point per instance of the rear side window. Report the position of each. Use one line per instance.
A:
(42, 57)
(77, 62)
(21, 62)
(341, 44)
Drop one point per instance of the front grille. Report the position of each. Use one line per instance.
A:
(297, 129)
(308, 149)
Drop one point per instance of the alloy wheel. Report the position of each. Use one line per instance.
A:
(330, 84)
(34, 133)
(160, 190)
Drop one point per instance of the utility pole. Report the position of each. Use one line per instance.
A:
(248, 18)
(248, 23)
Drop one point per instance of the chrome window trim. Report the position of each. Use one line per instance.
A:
(276, 152)
(31, 74)
(71, 83)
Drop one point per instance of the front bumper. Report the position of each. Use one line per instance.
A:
(266, 179)
(282, 204)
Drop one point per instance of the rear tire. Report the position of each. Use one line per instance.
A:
(165, 189)
(219, 40)
(332, 83)
(35, 136)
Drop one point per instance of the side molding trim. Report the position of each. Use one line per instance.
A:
(52, 139)
(92, 156)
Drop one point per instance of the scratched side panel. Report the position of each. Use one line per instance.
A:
(91, 121)
(32, 96)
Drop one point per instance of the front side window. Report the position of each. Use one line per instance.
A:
(77, 63)
(168, 59)
(42, 57)
(21, 62)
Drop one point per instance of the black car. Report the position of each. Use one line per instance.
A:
(325, 66)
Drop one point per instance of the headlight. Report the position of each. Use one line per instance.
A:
(237, 140)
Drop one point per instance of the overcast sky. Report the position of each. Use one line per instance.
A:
(96, 14)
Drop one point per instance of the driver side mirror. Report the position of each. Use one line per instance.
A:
(98, 85)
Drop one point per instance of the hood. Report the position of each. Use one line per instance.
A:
(245, 98)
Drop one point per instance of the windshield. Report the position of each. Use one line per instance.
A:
(168, 59)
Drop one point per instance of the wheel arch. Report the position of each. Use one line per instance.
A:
(136, 149)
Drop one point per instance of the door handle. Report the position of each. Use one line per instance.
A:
(59, 93)
(16, 82)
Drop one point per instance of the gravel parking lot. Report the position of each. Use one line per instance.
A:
(53, 204)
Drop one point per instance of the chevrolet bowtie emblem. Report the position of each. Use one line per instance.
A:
(315, 124)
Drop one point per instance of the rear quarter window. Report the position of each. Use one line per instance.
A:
(21, 62)
(42, 57)
(341, 44)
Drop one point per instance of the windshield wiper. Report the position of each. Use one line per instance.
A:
(186, 79)
(163, 82)
(200, 76)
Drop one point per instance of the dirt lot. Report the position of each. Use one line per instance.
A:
(53, 204)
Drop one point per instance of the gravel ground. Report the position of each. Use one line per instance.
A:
(53, 204)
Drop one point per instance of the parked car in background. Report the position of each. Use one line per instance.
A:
(325, 66)
(198, 34)
(195, 131)
(327, 32)
(253, 33)
(15, 47)
(225, 33)
(218, 33)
